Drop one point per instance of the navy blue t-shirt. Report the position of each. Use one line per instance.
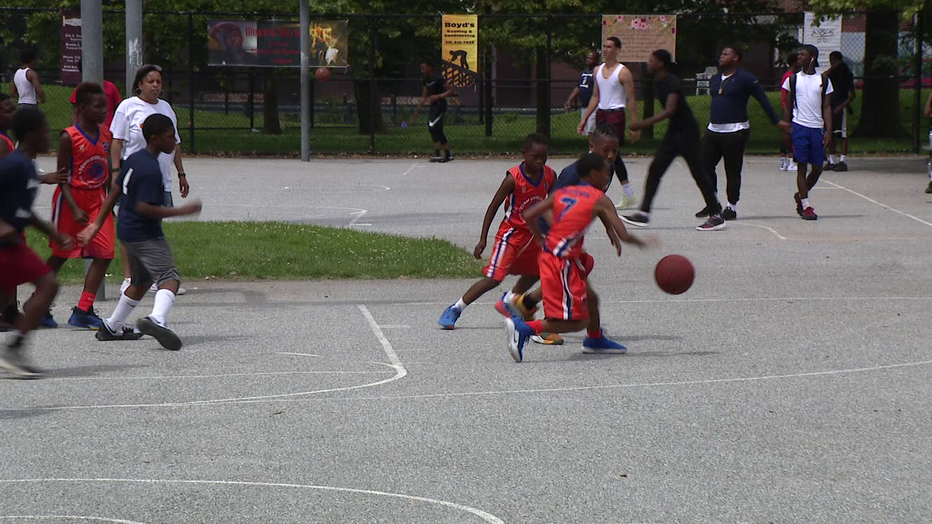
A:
(141, 181)
(585, 87)
(18, 186)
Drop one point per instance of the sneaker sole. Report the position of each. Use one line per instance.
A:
(103, 336)
(166, 337)
(543, 341)
(595, 351)
(713, 228)
(633, 223)
(83, 326)
(512, 332)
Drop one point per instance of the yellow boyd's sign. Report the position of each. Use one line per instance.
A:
(460, 49)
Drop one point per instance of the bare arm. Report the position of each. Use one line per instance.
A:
(64, 164)
(33, 77)
(154, 211)
(593, 104)
(673, 99)
(423, 101)
(88, 233)
(627, 80)
(507, 188)
(182, 176)
(450, 91)
(532, 213)
(605, 210)
(116, 149)
(827, 115)
(573, 96)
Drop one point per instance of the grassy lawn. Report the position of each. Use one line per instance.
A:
(282, 251)
(468, 138)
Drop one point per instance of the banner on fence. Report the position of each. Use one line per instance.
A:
(70, 47)
(824, 34)
(460, 49)
(641, 35)
(276, 44)
(329, 43)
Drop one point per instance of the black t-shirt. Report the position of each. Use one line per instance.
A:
(842, 83)
(683, 117)
(436, 86)
(140, 181)
(18, 186)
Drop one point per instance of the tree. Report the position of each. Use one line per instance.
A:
(881, 67)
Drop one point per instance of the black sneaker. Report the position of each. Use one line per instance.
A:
(799, 203)
(929, 188)
(13, 361)
(637, 219)
(105, 334)
(166, 337)
(714, 223)
(436, 157)
(446, 158)
(829, 166)
(841, 167)
(729, 214)
(703, 214)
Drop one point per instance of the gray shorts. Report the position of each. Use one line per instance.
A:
(151, 261)
(168, 202)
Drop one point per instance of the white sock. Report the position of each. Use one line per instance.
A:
(164, 299)
(841, 158)
(509, 296)
(804, 202)
(460, 305)
(629, 191)
(831, 159)
(733, 207)
(124, 309)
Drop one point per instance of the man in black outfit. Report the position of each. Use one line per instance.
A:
(436, 90)
(729, 126)
(841, 98)
(682, 139)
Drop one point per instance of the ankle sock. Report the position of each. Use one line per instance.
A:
(460, 305)
(164, 300)
(122, 311)
(537, 326)
(594, 334)
(87, 301)
(804, 202)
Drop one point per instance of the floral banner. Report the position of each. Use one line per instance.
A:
(641, 34)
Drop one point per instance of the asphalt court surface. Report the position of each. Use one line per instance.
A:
(790, 384)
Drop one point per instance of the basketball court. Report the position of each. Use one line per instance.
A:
(791, 383)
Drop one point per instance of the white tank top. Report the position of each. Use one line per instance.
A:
(27, 93)
(611, 91)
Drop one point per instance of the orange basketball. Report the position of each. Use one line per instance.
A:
(322, 74)
(674, 274)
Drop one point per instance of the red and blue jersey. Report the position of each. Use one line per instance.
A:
(9, 141)
(89, 158)
(573, 208)
(526, 194)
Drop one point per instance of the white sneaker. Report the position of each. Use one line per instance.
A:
(783, 164)
(627, 202)
(126, 283)
(792, 166)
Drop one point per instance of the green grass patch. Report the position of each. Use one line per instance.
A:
(468, 137)
(282, 251)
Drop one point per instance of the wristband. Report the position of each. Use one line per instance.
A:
(181, 175)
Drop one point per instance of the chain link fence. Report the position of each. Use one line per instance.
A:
(529, 65)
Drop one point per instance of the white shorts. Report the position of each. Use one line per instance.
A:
(840, 129)
(590, 124)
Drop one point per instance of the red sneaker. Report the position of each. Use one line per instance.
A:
(809, 214)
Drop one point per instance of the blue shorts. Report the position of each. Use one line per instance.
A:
(807, 145)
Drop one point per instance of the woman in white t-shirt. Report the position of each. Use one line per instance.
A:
(126, 128)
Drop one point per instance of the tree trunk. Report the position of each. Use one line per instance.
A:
(543, 95)
(367, 107)
(272, 125)
(880, 106)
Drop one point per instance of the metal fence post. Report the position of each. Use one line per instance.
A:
(373, 99)
(252, 98)
(548, 97)
(191, 80)
(917, 95)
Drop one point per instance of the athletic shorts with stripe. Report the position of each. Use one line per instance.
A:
(514, 253)
(89, 201)
(563, 281)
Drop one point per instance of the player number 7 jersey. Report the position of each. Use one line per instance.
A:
(573, 213)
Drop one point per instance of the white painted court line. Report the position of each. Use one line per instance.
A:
(67, 517)
(395, 326)
(226, 375)
(487, 517)
(881, 204)
(772, 230)
(386, 345)
(414, 166)
(355, 219)
(298, 354)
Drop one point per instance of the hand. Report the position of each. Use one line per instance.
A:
(192, 208)
(567, 106)
(65, 241)
(649, 242)
(58, 177)
(616, 242)
(80, 216)
(87, 234)
(7, 232)
(434, 98)
(183, 185)
(581, 128)
(633, 135)
(827, 140)
(839, 110)
(784, 126)
(480, 247)
(635, 126)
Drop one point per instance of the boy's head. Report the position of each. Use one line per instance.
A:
(159, 132)
(28, 57)
(90, 102)
(592, 59)
(610, 48)
(31, 129)
(604, 141)
(535, 151)
(659, 60)
(593, 170)
(427, 68)
(730, 56)
(808, 57)
(7, 108)
(835, 58)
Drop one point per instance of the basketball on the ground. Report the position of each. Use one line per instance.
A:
(322, 74)
(674, 274)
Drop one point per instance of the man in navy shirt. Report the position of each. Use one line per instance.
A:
(19, 264)
(139, 228)
(583, 91)
(729, 125)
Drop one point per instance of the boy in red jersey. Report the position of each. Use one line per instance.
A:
(570, 304)
(515, 252)
(84, 149)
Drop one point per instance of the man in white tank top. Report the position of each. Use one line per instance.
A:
(614, 94)
(26, 85)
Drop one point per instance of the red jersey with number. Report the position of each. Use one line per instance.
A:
(89, 158)
(526, 194)
(573, 208)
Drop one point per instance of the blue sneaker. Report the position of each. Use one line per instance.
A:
(602, 345)
(47, 321)
(518, 335)
(84, 319)
(449, 317)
